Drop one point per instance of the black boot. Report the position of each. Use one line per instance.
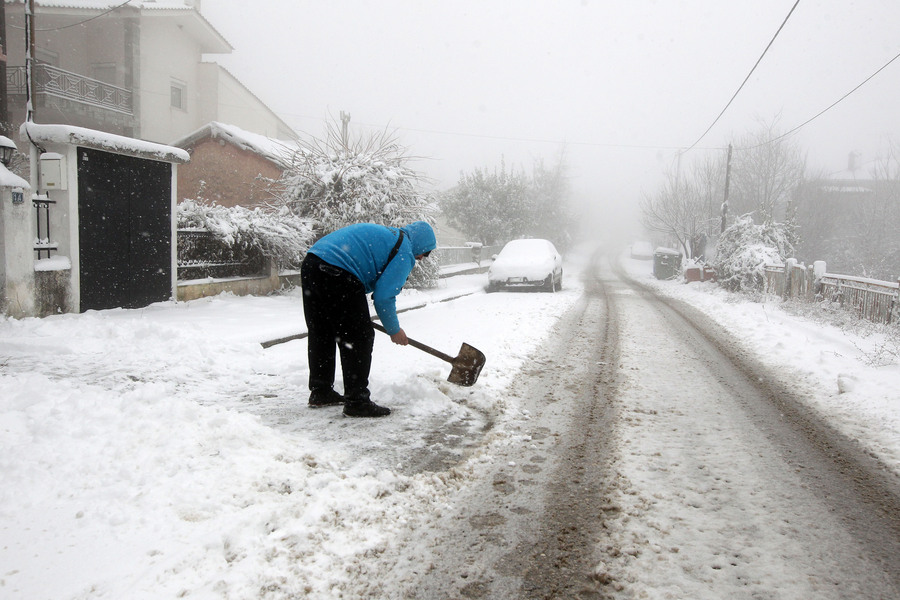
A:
(325, 397)
(365, 408)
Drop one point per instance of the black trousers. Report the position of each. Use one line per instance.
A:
(337, 316)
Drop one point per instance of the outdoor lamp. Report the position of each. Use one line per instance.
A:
(7, 149)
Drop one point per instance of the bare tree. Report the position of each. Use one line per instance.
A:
(766, 171)
(708, 177)
(677, 211)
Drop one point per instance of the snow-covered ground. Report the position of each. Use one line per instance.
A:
(162, 452)
(845, 371)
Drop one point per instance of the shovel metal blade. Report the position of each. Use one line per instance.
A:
(466, 366)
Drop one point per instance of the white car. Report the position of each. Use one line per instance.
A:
(526, 264)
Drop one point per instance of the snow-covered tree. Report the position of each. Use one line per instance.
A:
(551, 218)
(745, 248)
(489, 206)
(274, 232)
(494, 206)
(368, 180)
(336, 182)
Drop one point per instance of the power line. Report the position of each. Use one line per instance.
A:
(104, 13)
(748, 76)
(822, 112)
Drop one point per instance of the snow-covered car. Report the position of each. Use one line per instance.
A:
(642, 250)
(526, 264)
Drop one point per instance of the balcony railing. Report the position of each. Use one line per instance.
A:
(59, 83)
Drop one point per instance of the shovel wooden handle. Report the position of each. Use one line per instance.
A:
(419, 345)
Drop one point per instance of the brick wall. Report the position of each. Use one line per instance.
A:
(231, 174)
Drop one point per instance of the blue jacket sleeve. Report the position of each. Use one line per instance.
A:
(384, 297)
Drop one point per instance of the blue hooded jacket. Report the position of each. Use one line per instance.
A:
(363, 249)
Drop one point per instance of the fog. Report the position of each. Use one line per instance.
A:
(617, 88)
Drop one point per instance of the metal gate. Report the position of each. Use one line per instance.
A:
(124, 230)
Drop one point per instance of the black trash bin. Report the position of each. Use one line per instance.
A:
(666, 263)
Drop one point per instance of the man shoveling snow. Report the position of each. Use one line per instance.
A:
(337, 273)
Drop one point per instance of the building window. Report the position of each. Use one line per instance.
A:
(178, 93)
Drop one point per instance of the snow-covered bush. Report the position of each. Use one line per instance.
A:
(333, 184)
(274, 232)
(745, 248)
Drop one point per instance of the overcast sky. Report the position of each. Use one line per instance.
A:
(621, 85)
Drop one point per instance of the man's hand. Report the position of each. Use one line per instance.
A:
(400, 338)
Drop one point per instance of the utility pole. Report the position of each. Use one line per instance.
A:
(4, 106)
(345, 121)
(727, 181)
(29, 60)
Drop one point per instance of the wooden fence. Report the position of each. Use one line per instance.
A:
(877, 301)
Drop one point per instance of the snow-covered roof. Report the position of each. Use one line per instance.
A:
(100, 140)
(277, 151)
(186, 12)
(108, 4)
(848, 189)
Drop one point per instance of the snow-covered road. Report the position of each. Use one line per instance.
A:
(724, 484)
(162, 452)
(659, 462)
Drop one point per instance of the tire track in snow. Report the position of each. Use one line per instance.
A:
(729, 485)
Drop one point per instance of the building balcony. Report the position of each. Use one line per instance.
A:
(50, 81)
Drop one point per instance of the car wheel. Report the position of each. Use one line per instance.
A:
(550, 284)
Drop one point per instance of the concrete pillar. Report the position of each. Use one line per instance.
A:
(18, 228)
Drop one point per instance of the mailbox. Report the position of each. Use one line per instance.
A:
(53, 171)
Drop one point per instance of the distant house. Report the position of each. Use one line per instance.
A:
(231, 166)
(134, 69)
(849, 220)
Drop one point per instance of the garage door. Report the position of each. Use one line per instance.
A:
(124, 230)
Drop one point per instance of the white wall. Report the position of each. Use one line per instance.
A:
(236, 105)
(167, 53)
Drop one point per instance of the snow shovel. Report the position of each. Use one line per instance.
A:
(466, 366)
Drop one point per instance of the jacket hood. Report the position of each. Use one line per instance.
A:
(421, 236)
